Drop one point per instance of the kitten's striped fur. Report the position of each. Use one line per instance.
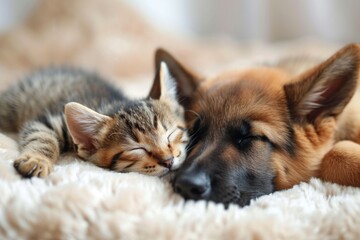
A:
(97, 122)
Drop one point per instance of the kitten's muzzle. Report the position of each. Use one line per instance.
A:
(167, 162)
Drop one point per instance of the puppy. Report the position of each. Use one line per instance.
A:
(265, 129)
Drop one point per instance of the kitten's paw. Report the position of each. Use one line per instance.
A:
(30, 165)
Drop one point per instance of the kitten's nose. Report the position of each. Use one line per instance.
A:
(167, 162)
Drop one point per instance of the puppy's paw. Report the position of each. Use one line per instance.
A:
(30, 165)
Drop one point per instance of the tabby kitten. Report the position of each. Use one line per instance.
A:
(61, 110)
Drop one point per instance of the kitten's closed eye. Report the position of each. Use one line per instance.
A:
(136, 151)
(139, 151)
(116, 157)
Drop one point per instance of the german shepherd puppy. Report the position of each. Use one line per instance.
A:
(264, 129)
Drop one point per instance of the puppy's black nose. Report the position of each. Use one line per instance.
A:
(193, 185)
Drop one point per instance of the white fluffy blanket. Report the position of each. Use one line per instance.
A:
(81, 201)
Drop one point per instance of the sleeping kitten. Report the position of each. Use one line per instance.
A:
(60, 110)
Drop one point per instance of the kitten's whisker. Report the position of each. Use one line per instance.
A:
(197, 115)
(189, 147)
(191, 139)
(192, 135)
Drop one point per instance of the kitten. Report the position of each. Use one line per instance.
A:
(61, 110)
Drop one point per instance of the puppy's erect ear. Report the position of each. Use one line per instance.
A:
(186, 81)
(326, 89)
(84, 126)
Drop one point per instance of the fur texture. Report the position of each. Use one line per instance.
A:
(98, 123)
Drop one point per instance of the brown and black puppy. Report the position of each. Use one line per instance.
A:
(264, 129)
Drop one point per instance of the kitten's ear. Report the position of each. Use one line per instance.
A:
(186, 81)
(164, 86)
(326, 89)
(84, 125)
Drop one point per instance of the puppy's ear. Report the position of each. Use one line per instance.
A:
(84, 126)
(326, 89)
(186, 81)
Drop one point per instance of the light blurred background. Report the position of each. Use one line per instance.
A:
(259, 20)
(118, 38)
(243, 20)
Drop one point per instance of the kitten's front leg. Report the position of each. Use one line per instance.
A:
(39, 150)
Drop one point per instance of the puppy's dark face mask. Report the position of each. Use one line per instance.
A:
(223, 170)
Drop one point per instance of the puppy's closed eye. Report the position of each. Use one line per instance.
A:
(245, 142)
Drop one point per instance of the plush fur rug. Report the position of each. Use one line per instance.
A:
(82, 201)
